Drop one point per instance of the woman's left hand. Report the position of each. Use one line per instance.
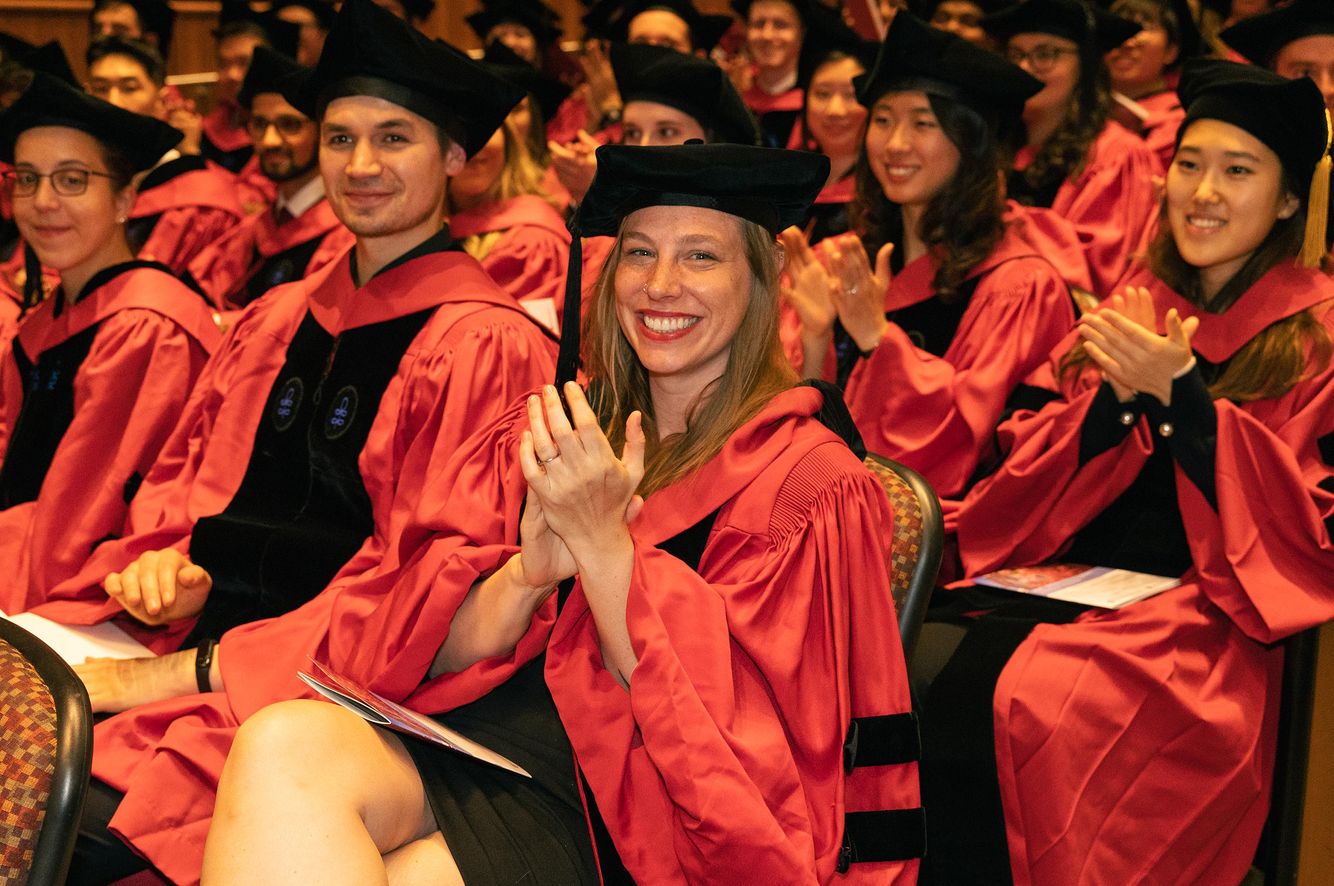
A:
(1124, 345)
(859, 292)
(585, 491)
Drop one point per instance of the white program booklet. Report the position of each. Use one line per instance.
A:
(78, 643)
(381, 711)
(1087, 585)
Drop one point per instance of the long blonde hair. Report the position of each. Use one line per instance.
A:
(756, 370)
(521, 174)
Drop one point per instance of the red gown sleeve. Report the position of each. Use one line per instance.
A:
(128, 394)
(167, 757)
(449, 394)
(730, 738)
(1027, 511)
(529, 262)
(167, 504)
(181, 234)
(1112, 203)
(1265, 555)
(937, 414)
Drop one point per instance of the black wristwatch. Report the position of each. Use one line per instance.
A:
(204, 663)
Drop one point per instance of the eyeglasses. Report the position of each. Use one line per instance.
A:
(287, 125)
(65, 182)
(1040, 59)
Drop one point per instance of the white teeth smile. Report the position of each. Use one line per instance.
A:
(1202, 222)
(665, 325)
(901, 170)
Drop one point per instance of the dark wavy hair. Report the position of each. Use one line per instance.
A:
(966, 218)
(1065, 153)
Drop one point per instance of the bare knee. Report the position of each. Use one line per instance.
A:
(317, 759)
(293, 741)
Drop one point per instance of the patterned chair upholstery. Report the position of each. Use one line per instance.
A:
(46, 749)
(919, 539)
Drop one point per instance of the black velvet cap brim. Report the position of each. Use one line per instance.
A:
(1286, 115)
(691, 85)
(771, 187)
(270, 71)
(1260, 38)
(916, 56)
(371, 52)
(1071, 19)
(52, 102)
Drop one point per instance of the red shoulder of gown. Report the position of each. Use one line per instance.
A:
(193, 210)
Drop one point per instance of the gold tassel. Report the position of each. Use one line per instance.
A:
(1314, 247)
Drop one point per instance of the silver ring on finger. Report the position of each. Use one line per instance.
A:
(852, 290)
(546, 461)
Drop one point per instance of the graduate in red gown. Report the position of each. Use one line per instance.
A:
(184, 203)
(92, 384)
(306, 443)
(1294, 40)
(833, 122)
(775, 31)
(1188, 436)
(1145, 68)
(1076, 162)
(499, 209)
(733, 538)
(967, 295)
(300, 234)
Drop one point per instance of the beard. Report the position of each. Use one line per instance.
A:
(279, 164)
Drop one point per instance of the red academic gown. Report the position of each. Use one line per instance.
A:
(1110, 202)
(776, 114)
(936, 413)
(570, 117)
(178, 213)
(530, 257)
(256, 191)
(383, 625)
(723, 762)
(478, 353)
(224, 142)
(152, 336)
(475, 352)
(224, 268)
(1159, 129)
(1138, 745)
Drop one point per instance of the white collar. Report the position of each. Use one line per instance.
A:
(787, 83)
(306, 196)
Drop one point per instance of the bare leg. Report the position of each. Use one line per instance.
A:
(312, 793)
(424, 862)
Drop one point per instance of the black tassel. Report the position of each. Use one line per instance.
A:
(567, 362)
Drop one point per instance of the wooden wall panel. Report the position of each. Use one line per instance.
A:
(192, 45)
(38, 21)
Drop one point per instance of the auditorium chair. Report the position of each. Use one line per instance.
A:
(46, 751)
(919, 539)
